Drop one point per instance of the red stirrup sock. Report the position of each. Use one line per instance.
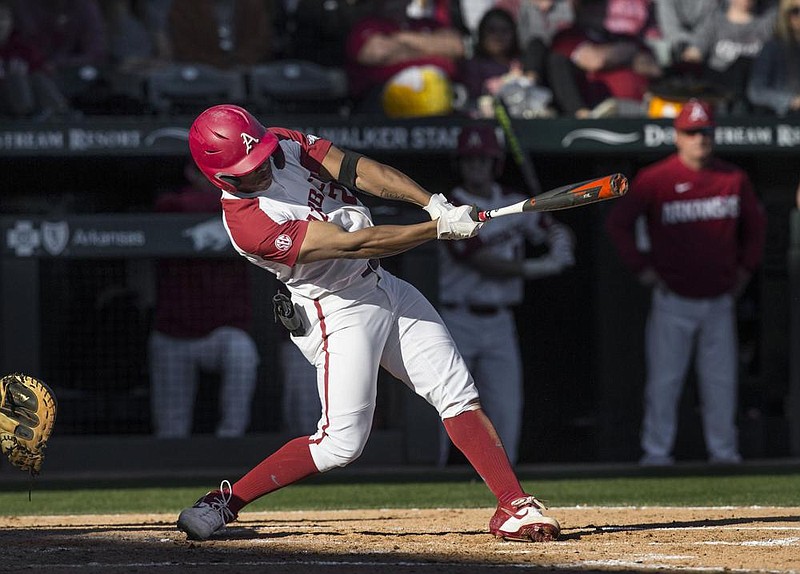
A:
(290, 463)
(474, 435)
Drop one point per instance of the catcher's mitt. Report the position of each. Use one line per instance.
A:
(27, 414)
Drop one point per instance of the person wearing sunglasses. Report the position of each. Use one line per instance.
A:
(706, 230)
(774, 82)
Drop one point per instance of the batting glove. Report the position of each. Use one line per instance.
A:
(438, 205)
(457, 224)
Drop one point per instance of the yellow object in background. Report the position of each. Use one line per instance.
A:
(418, 91)
(660, 107)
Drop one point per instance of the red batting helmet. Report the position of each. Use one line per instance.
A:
(226, 141)
(481, 140)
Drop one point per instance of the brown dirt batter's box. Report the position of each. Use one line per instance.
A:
(420, 541)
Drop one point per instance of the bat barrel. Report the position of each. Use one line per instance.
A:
(567, 196)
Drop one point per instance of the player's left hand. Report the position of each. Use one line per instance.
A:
(438, 205)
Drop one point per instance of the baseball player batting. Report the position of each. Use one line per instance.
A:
(289, 207)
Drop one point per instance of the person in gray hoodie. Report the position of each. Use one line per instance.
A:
(678, 18)
(774, 82)
(726, 43)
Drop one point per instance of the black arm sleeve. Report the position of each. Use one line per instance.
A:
(347, 171)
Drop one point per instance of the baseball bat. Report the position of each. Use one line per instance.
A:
(521, 158)
(566, 196)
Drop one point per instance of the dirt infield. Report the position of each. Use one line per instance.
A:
(410, 541)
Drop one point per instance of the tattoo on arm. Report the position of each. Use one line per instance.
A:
(386, 194)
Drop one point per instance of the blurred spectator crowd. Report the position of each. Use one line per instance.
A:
(399, 58)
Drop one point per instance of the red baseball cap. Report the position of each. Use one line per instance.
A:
(479, 140)
(695, 115)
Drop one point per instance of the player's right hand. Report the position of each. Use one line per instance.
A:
(457, 223)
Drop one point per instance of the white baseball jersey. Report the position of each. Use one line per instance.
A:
(505, 239)
(358, 316)
(268, 227)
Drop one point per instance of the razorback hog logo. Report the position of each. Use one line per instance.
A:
(697, 113)
(248, 141)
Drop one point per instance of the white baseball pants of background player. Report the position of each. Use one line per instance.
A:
(489, 344)
(300, 399)
(377, 320)
(175, 365)
(674, 326)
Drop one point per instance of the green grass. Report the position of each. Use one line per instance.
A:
(762, 489)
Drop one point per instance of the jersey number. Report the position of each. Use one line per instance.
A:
(346, 195)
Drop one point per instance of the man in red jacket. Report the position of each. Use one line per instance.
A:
(707, 230)
(202, 323)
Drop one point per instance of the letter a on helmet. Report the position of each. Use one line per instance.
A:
(479, 140)
(226, 140)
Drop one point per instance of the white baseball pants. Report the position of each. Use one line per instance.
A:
(674, 326)
(379, 320)
(174, 367)
(300, 399)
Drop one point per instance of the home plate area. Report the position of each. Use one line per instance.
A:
(753, 539)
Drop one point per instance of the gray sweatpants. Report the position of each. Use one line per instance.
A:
(674, 327)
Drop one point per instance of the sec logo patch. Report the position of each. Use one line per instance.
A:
(283, 242)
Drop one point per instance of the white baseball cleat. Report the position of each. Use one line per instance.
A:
(523, 521)
(208, 515)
